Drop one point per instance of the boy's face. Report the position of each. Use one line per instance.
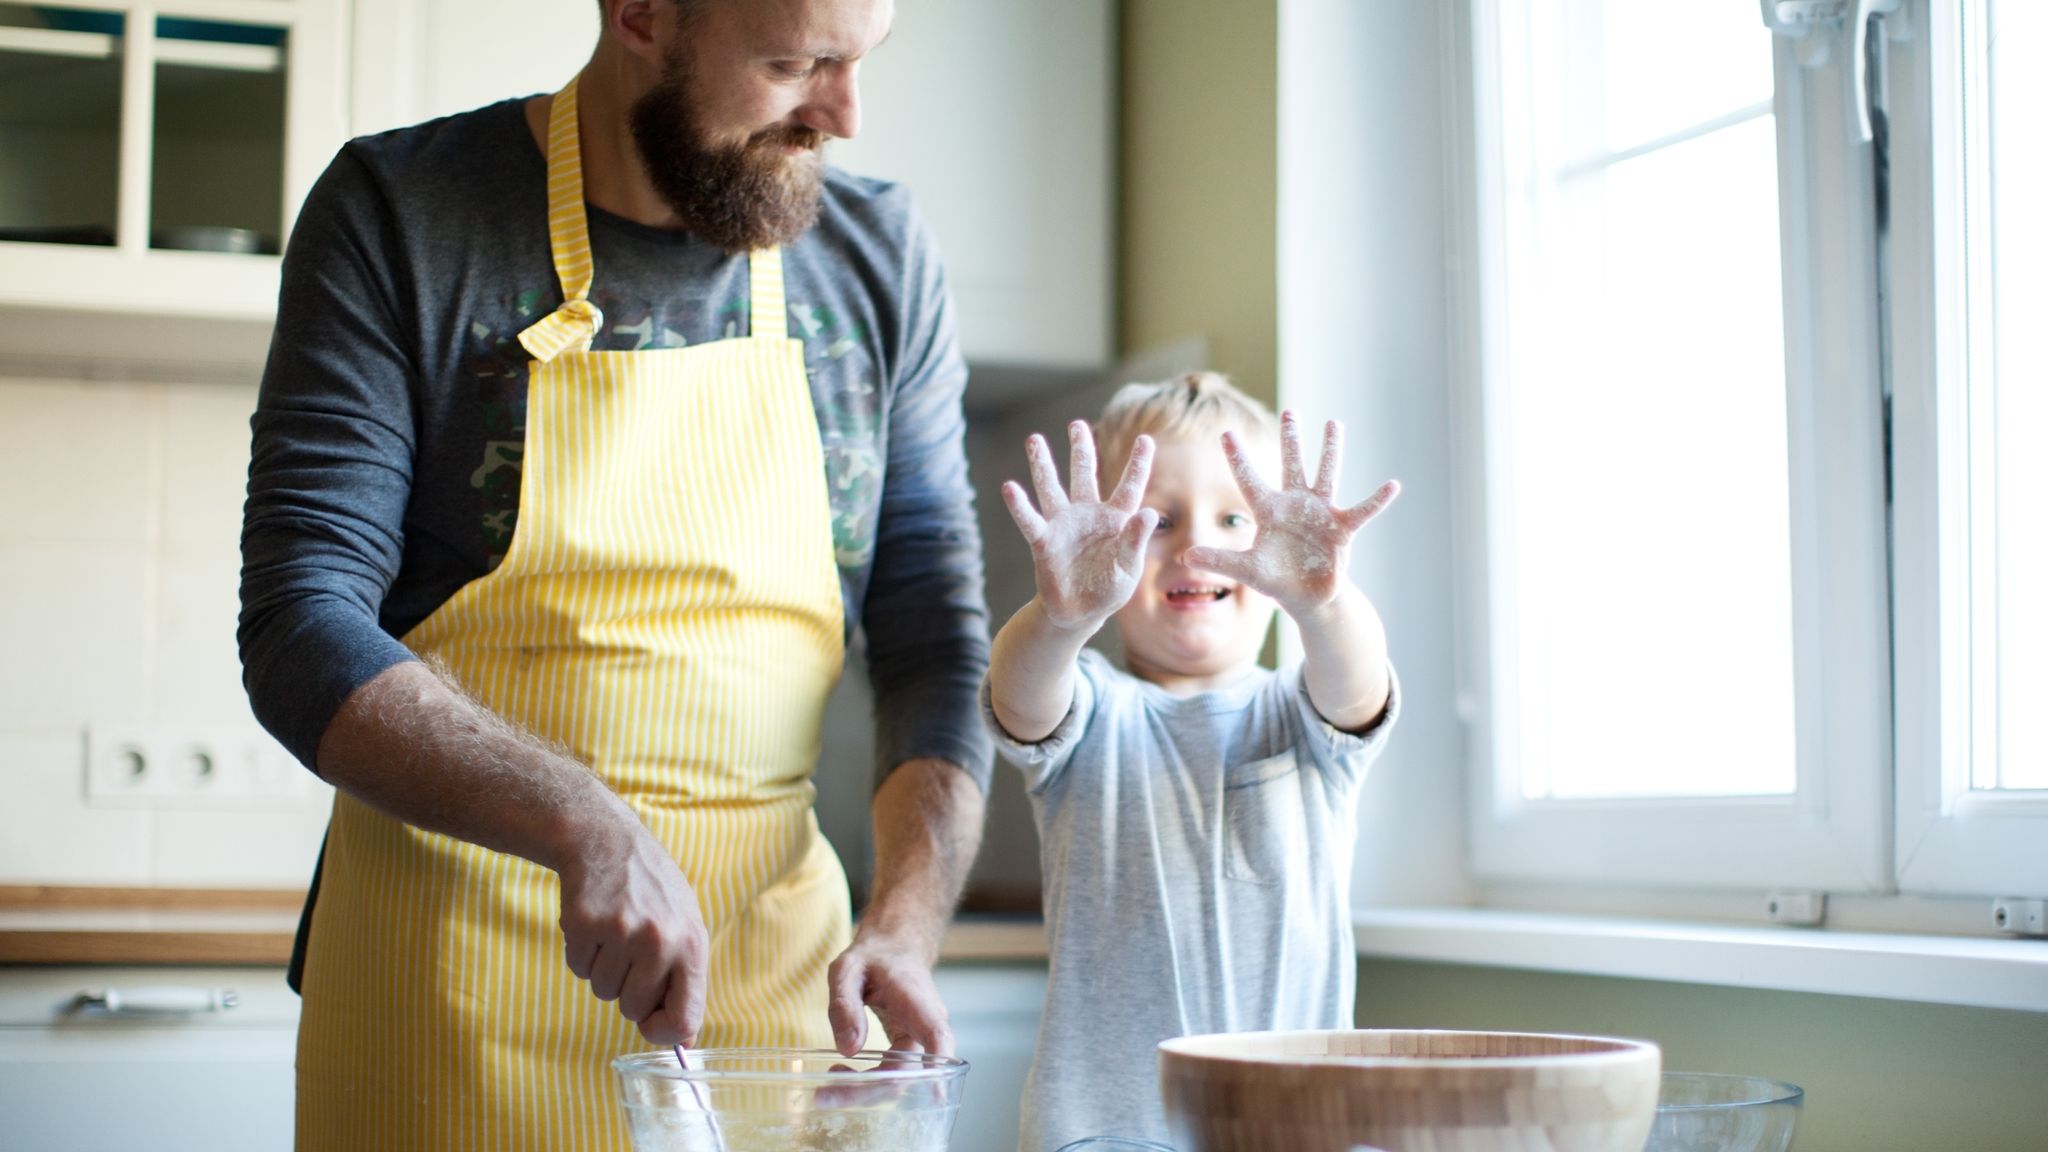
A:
(1184, 629)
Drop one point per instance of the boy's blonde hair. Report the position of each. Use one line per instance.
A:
(1194, 404)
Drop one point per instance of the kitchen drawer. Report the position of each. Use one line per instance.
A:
(82, 1079)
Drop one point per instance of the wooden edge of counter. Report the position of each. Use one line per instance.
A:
(970, 940)
(51, 897)
(985, 940)
(65, 947)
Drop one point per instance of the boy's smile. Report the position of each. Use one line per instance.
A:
(1185, 629)
(1196, 597)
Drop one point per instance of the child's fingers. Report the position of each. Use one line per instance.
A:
(1130, 543)
(1238, 566)
(1291, 475)
(1333, 456)
(1354, 517)
(1029, 522)
(1241, 470)
(1045, 476)
(1137, 473)
(1081, 467)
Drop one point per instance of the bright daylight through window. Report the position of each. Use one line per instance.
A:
(1757, 436)
(2008, 368)
(1649, 550)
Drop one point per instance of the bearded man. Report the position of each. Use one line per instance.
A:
(593, 426)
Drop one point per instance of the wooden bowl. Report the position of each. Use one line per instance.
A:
(1408, 1091)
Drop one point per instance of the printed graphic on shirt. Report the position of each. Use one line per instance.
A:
(849, 414)
(844, 392)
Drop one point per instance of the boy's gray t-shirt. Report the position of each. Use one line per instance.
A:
(1196, 854)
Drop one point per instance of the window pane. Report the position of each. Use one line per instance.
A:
(1647, 437)
(2018, 251)
(1668, 67)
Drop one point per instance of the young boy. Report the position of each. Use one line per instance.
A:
(1196, 811)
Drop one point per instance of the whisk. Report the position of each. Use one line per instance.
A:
(693, 1062)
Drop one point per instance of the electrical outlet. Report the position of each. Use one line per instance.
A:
(1796, 906)
(2020, 917)
(117, 767)
(198, 766)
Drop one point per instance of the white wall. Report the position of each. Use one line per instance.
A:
(1362, 338)
(120, 519)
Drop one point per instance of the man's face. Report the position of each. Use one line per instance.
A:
(750, 91)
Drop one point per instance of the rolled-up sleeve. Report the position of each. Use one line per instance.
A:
(330, 470)
(925, 617)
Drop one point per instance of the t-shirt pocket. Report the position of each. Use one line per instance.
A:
(1265, 827)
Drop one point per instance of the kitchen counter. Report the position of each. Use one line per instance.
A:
(67, 925)
(76, 925)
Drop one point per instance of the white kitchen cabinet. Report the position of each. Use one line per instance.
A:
(994, 1011)
(420, 59)
(998, 114)
(147, 145)
(208, 1078)
(74, 1075)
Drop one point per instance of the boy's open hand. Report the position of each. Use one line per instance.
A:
(1303, 546)
(1086, 553)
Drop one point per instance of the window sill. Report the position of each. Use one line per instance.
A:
(1977, 972)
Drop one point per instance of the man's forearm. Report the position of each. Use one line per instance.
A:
(411, 745)
(928, 817)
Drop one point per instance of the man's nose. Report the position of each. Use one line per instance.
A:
(834, 104)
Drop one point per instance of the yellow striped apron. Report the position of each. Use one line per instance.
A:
(669, 612)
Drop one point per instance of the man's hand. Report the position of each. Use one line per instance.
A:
(894, 978)
(411, 744)
(1303, 546)
(1086, 554)
(633, 929)
(927, 827)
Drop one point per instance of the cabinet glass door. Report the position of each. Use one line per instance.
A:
(166, 133)
(60, 124)
(217, 151)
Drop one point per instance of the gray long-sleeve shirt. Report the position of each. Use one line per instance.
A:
(1196, 853)
(389, 430)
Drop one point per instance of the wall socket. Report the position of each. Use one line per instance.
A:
(1796, 906)
(182, 766)
(2019, 916)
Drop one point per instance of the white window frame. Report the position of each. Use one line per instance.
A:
(1950, 839)
(1834, 831)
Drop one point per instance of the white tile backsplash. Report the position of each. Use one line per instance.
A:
(79, 635)
(240, 849)
(47, 833)
(120, 519)
(78, 462)
(206, 467)
(198, 673)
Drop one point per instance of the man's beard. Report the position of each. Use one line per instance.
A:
(739, 197)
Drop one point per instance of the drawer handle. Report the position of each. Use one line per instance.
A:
(157, 1001)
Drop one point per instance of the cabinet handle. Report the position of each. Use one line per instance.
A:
(156, 1001)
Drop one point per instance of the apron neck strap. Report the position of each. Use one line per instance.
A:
(576, 323)
(769, 319)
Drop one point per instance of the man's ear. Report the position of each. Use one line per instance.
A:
(642, 27)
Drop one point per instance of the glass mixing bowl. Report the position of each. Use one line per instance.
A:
(1710, 1112)
(790, 1100)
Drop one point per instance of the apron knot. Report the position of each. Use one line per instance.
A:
(575, 324)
